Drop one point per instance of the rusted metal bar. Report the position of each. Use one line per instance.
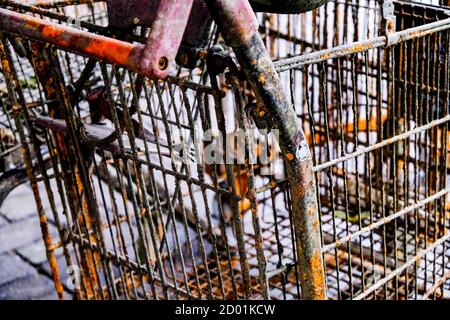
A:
(436, 286)
(388, 219)
(10, 74)
(406, 265)
(393, 38)
(239, 28)
(155, 59)
(166, 33)
(101, 47)
(49, 4)
(382, 144)
(388, 23)
(18, 6)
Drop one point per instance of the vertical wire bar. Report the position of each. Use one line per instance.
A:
(137, 212)
(206, 126)
(262, 77)
(153, 187)
(88, 194)
(200, 171)
(194, 206)
(237, 223)
(369, 169)
(109, 227)
(355, 111)
(166, 188)
(251, 195)
(142, 198)
(178, 189)
(12, 86)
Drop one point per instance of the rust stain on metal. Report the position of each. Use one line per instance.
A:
(261, 79)
(13, 86)
(390, 26)
(316, 266)
(290, 156)
(101, 47)
(359, 47)
(312, 212)
(238, 18)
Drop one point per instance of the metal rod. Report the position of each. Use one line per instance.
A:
(10, 74)
(361, 46)
(75, 40)
(239, 27)
(386, 220)
(382, 144)
(405, 266)
(61, 3)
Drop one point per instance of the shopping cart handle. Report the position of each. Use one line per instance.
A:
(155, 59)
(165, 37)
(171, 22)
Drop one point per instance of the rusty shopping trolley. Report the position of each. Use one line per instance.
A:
(258, 153)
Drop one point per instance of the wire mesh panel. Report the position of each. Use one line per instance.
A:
(166, 189)
(377, 120)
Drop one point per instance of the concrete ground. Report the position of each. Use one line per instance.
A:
(24, 270)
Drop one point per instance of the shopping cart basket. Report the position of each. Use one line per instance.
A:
(182, 188)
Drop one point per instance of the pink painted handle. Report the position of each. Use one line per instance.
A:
(165, 37)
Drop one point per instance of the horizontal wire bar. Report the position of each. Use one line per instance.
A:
(386, 220)
(361, 46)
(9, 151)
(183, 177)
(436, 285)
(382, 144)
(119, 259)
(61, 3)
(285, 268)
(405, 266)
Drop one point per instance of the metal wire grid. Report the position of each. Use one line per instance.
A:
(377, 120)
(12, 166)
(343, 103)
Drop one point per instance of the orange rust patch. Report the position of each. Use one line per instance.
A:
(53, 32)
(43, 218)
(290, 156)
(6, 66)
(317, 277)
(359, 47)
(261, 79)
(419, 34)
(325, 56)
(390, 26)
(102, 47)
(202, 54)
(114, 51)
